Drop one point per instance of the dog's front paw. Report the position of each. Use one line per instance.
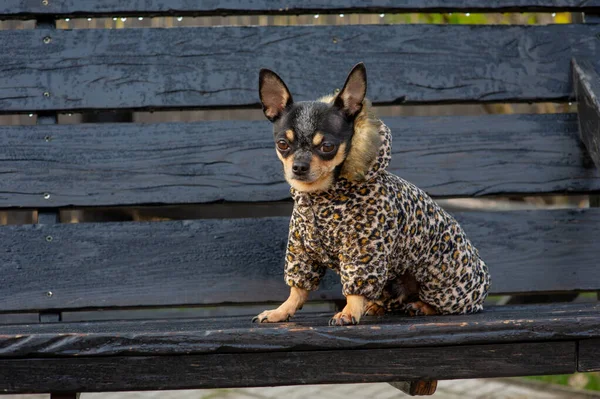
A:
(342, 319)
(272, 316)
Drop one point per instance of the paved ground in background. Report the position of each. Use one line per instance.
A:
(459, 389)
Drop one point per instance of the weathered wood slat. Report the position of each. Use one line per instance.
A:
(589, 355)
(86, 69)
(292, 368)
(124, 164)
(587, 89)
(19, 318)
(241, 260)
(307, 332)
(28, 9)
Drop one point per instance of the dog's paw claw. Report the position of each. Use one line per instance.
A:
(272, 316)
(342, 319)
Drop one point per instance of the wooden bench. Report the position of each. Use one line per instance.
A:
(116, 306)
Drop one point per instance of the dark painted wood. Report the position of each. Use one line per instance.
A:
(587, 89)
(589, 355)
(49, 217)
(49, 317)
(224, 210)
(28, 9)
(117, 164)
(241, 260)
(19, 318)
(81, 374)
(142, 313)
(416, 388)
(85, 69)
(45, 22)
(306, 331)
(47, 118)
(591, 18)
(542, 298)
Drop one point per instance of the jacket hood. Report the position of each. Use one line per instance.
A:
(384, 155)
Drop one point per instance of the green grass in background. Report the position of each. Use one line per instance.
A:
(480, 19)
(589, 381)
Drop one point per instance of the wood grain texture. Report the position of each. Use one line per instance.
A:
(29, 9)
(178, 163)
(86, 69)
(81, 374)
(587, 89)
(306, 332)
(589, 355)
(241, 260)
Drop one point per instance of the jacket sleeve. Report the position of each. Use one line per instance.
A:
(301, 270)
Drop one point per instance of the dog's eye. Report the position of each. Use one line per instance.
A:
(327, 147)
(283, 145)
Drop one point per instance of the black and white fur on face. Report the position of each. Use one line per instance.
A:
(313, 139)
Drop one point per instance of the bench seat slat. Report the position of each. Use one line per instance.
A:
(241, 260)
(23, 9)
(86, 69)
(85, 374)
(182, 163)
(496, 325)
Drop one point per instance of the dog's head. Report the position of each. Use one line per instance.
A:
(316, 140)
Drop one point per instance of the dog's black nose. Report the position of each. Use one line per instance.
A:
(300, 168)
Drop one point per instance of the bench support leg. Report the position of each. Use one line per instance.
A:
(64, 396)
(416, 388)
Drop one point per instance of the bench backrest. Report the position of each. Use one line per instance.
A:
(55, 267)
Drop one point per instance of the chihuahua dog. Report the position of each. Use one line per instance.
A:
(392, 245)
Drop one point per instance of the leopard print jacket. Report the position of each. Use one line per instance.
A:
(374, 231)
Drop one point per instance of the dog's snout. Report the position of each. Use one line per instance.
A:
(300, 168)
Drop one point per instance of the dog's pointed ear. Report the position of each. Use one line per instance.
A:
(350, 98)
(274, 94)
